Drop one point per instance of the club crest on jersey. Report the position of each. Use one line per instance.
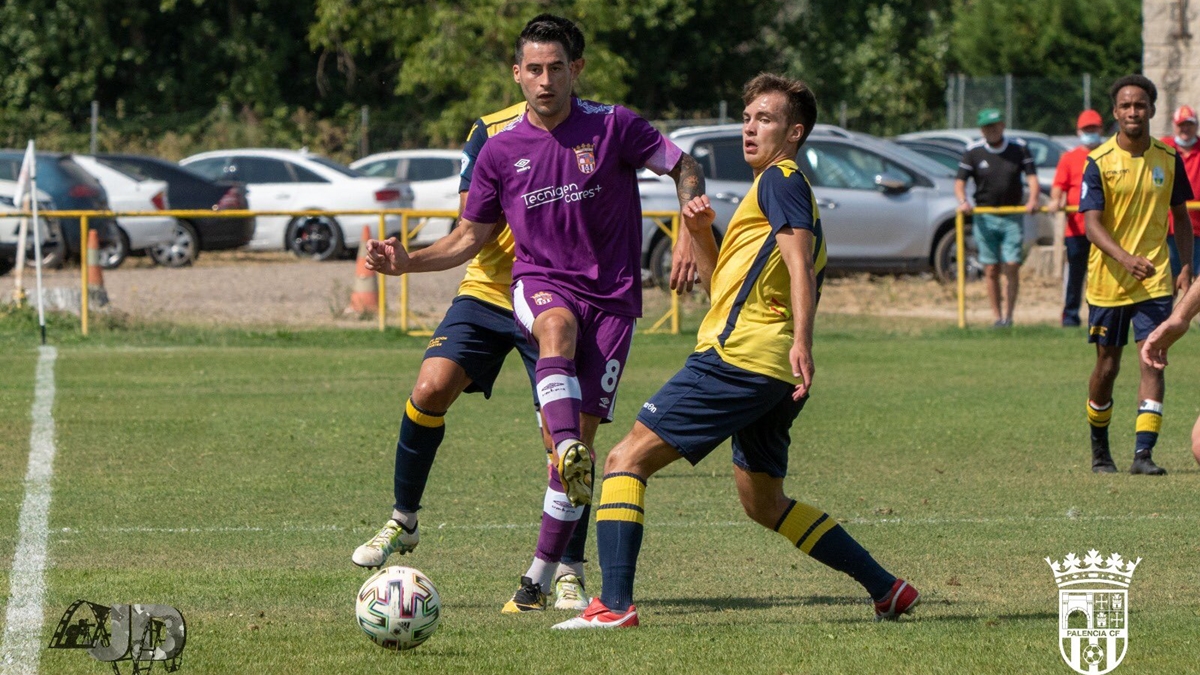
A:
(1158, 176)
(585, 157)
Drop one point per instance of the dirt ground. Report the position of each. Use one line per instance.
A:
(275, 289)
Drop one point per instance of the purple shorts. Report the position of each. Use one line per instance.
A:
(601, 347)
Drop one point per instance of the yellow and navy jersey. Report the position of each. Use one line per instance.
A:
(750, 323)
(1134, 196)
(489, 274)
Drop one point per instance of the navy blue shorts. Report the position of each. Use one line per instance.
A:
(478, 337)
(1109, 326)
(709, 400)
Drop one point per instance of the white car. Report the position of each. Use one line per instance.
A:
(127, 192)
(291, 180)
(434, 177)
(10, 228)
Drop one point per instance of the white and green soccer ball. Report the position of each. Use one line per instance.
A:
(398, 608)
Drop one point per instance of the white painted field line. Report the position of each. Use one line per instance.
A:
(700, 524)
(21, 645)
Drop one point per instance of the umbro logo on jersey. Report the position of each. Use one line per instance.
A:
(522, 165)
(983, 165)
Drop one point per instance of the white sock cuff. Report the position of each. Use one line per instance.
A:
(557, 506)
(556, 387)
(1149, 406)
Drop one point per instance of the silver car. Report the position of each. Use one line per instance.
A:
(883, 208)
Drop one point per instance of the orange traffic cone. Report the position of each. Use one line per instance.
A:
(97, 296)
(364, 298)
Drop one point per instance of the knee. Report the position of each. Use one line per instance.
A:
(433, 394)
(621, 460)
(762, 509)
(1107, 369)
(555, 330)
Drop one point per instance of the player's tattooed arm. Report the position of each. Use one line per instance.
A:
(689, 178)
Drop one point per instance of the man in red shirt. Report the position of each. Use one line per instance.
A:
(1064, 191)
(1184, 142)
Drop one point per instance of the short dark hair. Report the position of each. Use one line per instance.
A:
(801, 102)
(547, 28)
(1140, 81)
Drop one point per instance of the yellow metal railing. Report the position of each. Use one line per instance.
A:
(407, 231)
(960, 245)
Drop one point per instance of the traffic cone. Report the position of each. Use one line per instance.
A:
(97, 296)
(364, 297)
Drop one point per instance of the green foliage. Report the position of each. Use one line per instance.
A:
(890, 91)
(178, 76)
(1048, 39)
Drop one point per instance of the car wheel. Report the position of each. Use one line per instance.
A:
(6, 264)
(114, 249)
(54, 249)
(315, 237)
(181, 251)
(945, 258)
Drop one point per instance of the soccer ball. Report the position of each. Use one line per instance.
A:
(398, 608)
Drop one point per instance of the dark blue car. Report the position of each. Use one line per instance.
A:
(71, 188)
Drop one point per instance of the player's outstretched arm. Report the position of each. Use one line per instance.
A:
(796, 249)
(452, 250)
(1154, 348)
(698, 216)
(1140, 268)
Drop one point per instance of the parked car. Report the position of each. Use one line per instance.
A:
(128, 192)
(1045, 153)
(10, 228)
(1044, 149)
(189, 191)
(434, 177)
(883, 207)
(71, 188)
(291, 180)
(946, 153)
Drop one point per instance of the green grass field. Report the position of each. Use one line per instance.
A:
(230, 474)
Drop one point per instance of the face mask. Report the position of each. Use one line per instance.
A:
(1185, 144)
(1090, 140)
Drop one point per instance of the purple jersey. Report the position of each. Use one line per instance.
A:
(572, 201)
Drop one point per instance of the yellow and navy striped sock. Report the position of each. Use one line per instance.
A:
(619, 521)
(421, 432)
(812, 530)
(1098, 418)
(1149, 423)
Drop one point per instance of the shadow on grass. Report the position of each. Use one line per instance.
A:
(694, 604)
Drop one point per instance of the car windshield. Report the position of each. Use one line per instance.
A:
(123, 168)
(918, 161)
(1045, 152)
(330, 164)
